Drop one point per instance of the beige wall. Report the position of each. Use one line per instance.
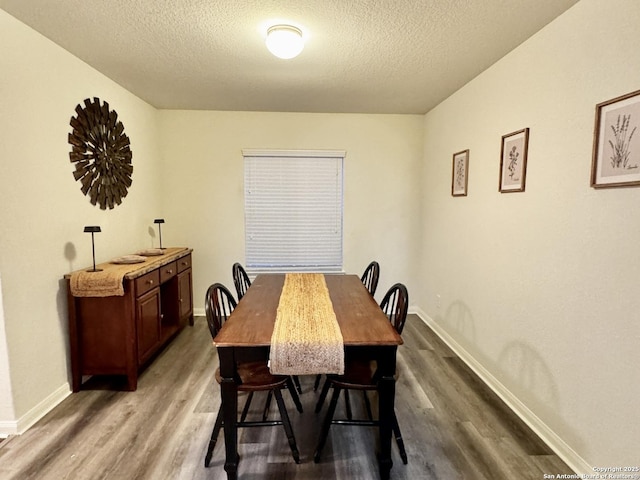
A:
(540, 288)
(203, 177)
(43, 212)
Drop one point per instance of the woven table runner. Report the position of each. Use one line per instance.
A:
(306, 336)
(108, 282)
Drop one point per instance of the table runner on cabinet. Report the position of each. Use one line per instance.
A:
(108, 281)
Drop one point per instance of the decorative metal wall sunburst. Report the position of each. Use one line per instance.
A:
(101, 153)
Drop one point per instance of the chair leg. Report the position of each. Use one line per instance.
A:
(287, 425)
(294, 394)
(247, 404)
(399, 441)
(347, 405)
(323, 395)
(316, 384)
(324, 433)
(367, 404)
(214, 438)
(267, 404)
(296, 380)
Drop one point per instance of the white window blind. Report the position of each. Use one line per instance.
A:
(293, 211)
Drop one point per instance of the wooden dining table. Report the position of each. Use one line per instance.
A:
(246, 335)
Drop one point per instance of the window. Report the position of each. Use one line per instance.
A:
(293, 210)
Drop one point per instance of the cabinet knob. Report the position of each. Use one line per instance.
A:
(169, 271)
(150, 282)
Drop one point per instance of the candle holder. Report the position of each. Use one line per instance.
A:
(93, 229)
(159, 221)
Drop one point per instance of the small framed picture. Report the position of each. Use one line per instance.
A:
(513, 161)
(616, 146)
(460, 174)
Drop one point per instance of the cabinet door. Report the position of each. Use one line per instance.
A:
(185, 296)
(148, 323)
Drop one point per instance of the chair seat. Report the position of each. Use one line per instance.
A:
(255, 377)
(358, 375)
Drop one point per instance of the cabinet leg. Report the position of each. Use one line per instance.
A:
(132, 382)
(76, 381)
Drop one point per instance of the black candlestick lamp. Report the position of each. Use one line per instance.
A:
(159, 221)
(92, 230)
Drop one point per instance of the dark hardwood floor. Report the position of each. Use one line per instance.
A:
(453, 427)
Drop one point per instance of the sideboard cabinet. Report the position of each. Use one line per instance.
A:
(119, 335)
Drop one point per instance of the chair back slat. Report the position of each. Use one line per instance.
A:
(218, 305)
(395, 306)
(371, 276)
(240, 279)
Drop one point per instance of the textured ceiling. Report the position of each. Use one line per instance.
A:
(361, 56)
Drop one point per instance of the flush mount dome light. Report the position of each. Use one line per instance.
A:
(285, 41)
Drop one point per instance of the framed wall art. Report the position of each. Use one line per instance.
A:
(513, 161)
(460, 174)
(616, 146)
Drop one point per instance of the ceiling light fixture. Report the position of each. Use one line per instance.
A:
(284, 41)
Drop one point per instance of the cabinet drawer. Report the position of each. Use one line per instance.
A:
(184, 263)
(167, 271)
(147, 282)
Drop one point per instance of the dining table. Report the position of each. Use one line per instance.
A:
(365, 330)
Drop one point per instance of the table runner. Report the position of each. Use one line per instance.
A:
(109, 281)
(306, 336)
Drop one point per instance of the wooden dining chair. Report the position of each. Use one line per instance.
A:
(362, 375)
(242, 283)
(253, 376)
(370, 277)
(240, 279)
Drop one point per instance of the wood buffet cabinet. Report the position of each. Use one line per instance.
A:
(119, 335)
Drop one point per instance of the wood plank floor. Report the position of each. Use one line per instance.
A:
(453, 426)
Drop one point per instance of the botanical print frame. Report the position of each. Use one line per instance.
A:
(460, 174)
(513, 161)
(616, 159)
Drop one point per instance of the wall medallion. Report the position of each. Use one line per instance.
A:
(101, 154)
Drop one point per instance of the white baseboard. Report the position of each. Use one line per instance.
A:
(18, 427)
(546, 434)
(8, 428)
